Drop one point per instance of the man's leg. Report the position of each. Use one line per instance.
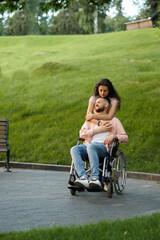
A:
(95, 151)
(78, 153)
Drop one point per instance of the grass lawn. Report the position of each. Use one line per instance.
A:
(46, 82)
(137, 228)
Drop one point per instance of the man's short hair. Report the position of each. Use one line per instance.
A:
(107, 99)
(109, 103)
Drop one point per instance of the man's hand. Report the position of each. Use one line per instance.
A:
(109, 139)
(100, 130)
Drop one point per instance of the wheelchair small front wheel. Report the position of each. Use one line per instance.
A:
(109, 189)
(73, 192)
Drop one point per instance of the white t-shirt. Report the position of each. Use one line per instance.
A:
(99, 137)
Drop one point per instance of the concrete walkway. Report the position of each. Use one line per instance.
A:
(36, 198)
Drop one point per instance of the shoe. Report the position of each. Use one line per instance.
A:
(82, 182)
(95, 183)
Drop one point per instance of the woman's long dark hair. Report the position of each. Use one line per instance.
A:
(112, 92)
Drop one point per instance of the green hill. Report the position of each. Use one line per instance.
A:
(46, 82)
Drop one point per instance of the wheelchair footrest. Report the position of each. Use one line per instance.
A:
(94, 189)
(79, 189)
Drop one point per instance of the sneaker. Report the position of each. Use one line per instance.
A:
(95, 183)
(82, 182)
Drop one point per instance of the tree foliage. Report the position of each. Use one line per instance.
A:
(116, 23)
(152, 9)
(78, 18)
(118, 5)
(13, 5)
(18, 24)
(67, 21)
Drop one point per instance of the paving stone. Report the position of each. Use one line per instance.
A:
(36, 198)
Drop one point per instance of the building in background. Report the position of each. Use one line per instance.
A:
(144, 23)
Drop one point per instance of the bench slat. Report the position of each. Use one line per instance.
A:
(3, 149)
(3, 136)
(3, 145)
(2, 141)
(3, 128)
(3, 123)
(3, 132)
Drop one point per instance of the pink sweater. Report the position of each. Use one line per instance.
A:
(86, 131)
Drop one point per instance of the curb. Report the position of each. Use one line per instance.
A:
(37, 166)
(65, 168)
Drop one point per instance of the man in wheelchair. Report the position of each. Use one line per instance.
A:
(96, 145)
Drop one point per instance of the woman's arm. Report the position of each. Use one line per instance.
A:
(107, 116)
(90, 108)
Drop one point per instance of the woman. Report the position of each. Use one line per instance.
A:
(104, 88)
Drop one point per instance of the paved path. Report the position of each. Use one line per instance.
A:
(35, 198)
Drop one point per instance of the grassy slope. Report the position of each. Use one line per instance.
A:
(46, 82)
(137, 228)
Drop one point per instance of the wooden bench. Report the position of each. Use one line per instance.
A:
(4, 145)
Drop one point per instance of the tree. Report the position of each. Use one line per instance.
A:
(86, 19)
(152, 10)
(1, 25)
(78, 19)
(11, 6)
(117, 23)
(31, 12)
(101, 18)
(118, 5)
(67, 21)
(29, 7)
(43, 24)
(17, 24)
(28, 21)
(43, 19)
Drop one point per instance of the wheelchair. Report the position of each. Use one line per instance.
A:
(113, 172)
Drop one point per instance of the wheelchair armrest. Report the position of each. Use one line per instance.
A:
(80, 139)
(114, 146)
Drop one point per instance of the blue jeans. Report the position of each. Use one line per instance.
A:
(92, 152)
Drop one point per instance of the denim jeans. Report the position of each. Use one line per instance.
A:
(92, 152)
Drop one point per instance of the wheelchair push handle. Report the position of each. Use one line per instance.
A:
(115, 140)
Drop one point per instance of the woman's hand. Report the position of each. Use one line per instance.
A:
(107, 124)
(89, 116)
(109, 139)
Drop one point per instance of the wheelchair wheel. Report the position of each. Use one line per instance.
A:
(119, 173)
